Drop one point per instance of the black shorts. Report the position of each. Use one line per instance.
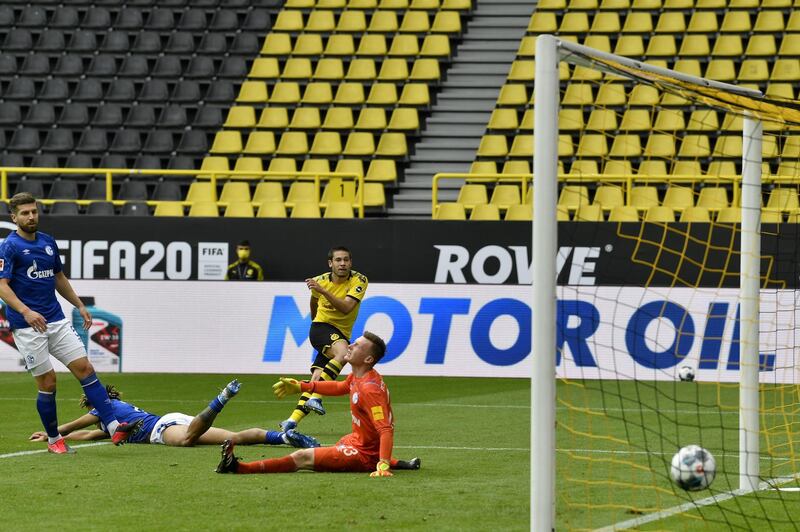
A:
(322, 336)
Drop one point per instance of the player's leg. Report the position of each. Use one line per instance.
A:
(229, 463)
(413, 464)
(330, 372)
(203, 421)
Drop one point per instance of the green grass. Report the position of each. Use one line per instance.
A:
(615, 441)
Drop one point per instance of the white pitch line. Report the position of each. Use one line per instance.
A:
(40, 451)
(691, 505)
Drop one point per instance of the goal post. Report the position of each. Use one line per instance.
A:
(550, 52)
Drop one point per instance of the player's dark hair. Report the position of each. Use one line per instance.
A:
(338, 248)
(244, 244)
(22, 198)
(113, 393)
(378, 346)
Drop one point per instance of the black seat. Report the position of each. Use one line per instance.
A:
(233, 67)
(12, 160)
(167, 191)
(147, 162)
(159, 142)
(208, 117)
(154, 90)
(63, 189)
(186, 91)
(182, 162)
(24, 140)
(115, 42)
(245, 44)
(7, 18)
(32, 17)
(35, 65)
(79, 160)
(8, 66)
(142, 3)
(234, 4)
(69, 65)
(59, 141)
(224, 20)
(54, 89)
(180, 42)
(51, 41)
(192, 20)
(129, 18)
(173, 116)
(82, 41)
(10, 114)
(220, 92)
(160, 19)
(64, 208)
(121, 90)
(126, 141)
(88, 90)
(95, 189)
(17, 40)
(43, 114)
(213, 43)
(93, 141)
(167, 66)
(147, 42)
(100, 208)
(45, 160)
(97, 18)
(134, 66)
(141, 116)
(31, 185)
(258, 21)
(135, 208)
(74, 115)
(193, 142)
(65, 17)
(132, 190)
(102, 66)
(113, 161)
(200, 67)
(108, 115)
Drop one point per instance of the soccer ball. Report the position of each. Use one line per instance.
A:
(693, 468)
(686, 373)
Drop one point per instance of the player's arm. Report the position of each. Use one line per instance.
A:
(71, 430)
(260, 271)
(345, 304)
(381, 417)
(33, 318)
(286, 386)
(314, 306)
(64, 288)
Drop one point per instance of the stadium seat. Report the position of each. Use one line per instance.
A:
(771, 216)
(239, 210)
(305, 209)
(713, 198)
(235, 192)
(302, 192)
(659, 214)
(505, 195)
(678, 197)
(268, 192)
(204, 209)
(472, 194)
(623, 213)
(100, 208)
(588, 213)
(485, 212)
(783, 199)
(201, 191)
(272, 209)
(519, 213)
(260, 143)
(305, 118)
(695, 214)
(339, 209)
(643, 196)
(450, 211)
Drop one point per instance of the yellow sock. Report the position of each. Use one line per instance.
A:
(300, 411)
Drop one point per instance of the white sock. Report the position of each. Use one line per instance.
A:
(51, 440)
(112, 427)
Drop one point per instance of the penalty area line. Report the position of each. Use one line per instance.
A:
(692, 505)
(40, 451)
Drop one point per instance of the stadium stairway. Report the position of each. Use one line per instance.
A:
(464, 104)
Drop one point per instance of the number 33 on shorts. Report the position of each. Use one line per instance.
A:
(347, 450)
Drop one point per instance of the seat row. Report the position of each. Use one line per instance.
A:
(336, 190)
(324, 144)
(70, 18)
(210, 209)
(87, 160)
(366, 45)
(657, 5)
(321, 93)
(394, 69)
(126, 141)
(429, 5)
(358, 21)
(174, 4)
(336, 118)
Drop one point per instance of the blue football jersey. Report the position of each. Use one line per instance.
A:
(31, 267)
(127, 413)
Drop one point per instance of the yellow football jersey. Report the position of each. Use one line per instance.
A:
(355, 286)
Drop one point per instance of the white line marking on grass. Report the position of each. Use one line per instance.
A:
(692, 505)
(611, 451)
(39, 451)
(449, 448)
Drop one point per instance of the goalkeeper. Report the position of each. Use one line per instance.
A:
(367, 448)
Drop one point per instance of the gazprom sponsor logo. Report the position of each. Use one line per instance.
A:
(35, 273)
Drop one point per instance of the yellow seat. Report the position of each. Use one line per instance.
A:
(437, 45)
(589, 213)
(573, 22)
(584, 167)
(514, 94)
(521, 70)
(446, 22)
(277, 44)
(606, 22)
(689, 66)
(543, 22)
(340, 118)
(791, 147)
(592, 145)
(678, 197)
(728, 46)
(359, 144)
(361, 68)
(339, 209)
(695, 214)
(216, 164)
(643, 95)
(770, 216)
(326, 144)
(763, 46)
(669, 120)
(306, 209)
(713, 198)
(374, 195)
(573, 196)
(598, 42)
(472, 194)
(320, 20)
(349, 93)
(736, 22)
(629, 46)
(235, 191)
(608, 197)
(483, 167)
(252, 92)
(283, 165)
(392, 145)
(371, 119)
(493, 146)
(273, 118)
(659, 214)
(696, 45)
(602, 119)
(240, 116)
(652, 167)
(309, 44)
(302, 192)
(626, 145)
(272, 209)
(288, 20)
(239, 210)
(793, 217)
(415, 22)
(505, 195)
(318, 166)
(260, 143)
(611, 94)
(769, 21)
(383, 21)
(168, 208)
(785, 70)
(404, 119)
(204, 209)
(506, 119)
(404, 46)
(721, 70)
(414, 95)
(638, 22)
(636, 120)
(305, 118)
(372, 44)
(340, 44)
(293, 143)
(485, 212)
(351, 21)
(517, 166)
(522, 146)
(661, 46)
(527, 47)
(450, 211)
(703, 120)
(733, 122)
(425, 69)
(623, 213)
(569, 119)
(268, 192)
(317, 93)
(660, 145)
(227, 142)
(729, 215)
(788, 169)
(381, 170)
(393, 69)
(520, 213)
(783, 199)
(695, 146)
(643, 196)
(285, 92)
(671, 22)
(463, 5)
(382, 94)
(728, 146)
(249, 164)
(793, 23)
(703, 22)
(618, 167)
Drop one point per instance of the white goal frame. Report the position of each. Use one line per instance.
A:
(549, 51)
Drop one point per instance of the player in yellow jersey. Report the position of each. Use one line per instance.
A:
(335, 298)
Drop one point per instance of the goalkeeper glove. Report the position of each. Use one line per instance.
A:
(286, 386)
(382, 470)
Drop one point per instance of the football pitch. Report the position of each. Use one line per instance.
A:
(615, 441)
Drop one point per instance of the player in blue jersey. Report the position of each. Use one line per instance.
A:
(175, 429)
(30, 275)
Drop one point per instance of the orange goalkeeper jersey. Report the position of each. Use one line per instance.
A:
(370, 409)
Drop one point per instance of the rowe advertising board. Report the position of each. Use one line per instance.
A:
(462, 308)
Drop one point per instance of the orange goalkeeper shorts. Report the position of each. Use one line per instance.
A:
(343, 458)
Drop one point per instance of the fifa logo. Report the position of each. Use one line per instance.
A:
(34, 273)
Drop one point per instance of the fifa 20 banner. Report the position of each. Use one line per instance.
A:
(431, 330)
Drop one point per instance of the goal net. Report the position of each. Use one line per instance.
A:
(680, 254)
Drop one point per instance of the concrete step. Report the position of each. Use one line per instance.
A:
(479, 69)
(517, 10)
(450, 94)
(437, 155)
(511, 45)
(428, 169)
(469, 81)
(452, 117)
(454, 130)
